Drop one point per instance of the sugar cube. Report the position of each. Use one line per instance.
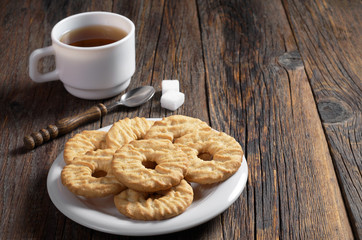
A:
(170, 85)
(172, 100)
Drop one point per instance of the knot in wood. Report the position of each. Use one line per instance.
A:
(332, 111)
(291, 60)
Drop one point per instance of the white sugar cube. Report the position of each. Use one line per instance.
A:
(170, 85)
(172, 100)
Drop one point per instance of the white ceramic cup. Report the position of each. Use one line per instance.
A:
(89, 72)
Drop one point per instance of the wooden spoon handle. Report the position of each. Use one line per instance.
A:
(63, 126)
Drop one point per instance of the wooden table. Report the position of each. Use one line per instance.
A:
(282, 77)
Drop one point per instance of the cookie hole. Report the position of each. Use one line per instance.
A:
(99, 173)
(205, 156)
(154, 196)
(149, 164)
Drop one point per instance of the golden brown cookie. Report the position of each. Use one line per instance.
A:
(214, 156)
(126, 130)
(90, 175)
(155, 206)
(88, 140)
(149, 165)
(175, 126)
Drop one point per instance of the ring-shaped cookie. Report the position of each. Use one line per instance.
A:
(175, 126)
(149, 165)
(79, 144)
(223, 151)
(90, 175)
(155, 206)
(127, 130)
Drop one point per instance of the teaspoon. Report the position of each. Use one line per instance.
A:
(133, 98)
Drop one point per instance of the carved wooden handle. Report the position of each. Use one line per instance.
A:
(63, 126)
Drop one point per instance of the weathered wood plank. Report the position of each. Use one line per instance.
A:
(168, 47)
(27, 107)
(329, 38)
(179, 56)
(147, 17)
(176, 55)
(264, 99)
(239, 68)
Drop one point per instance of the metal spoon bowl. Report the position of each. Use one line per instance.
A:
(134, 98)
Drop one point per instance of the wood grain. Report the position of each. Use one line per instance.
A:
(147, 17)
(328, 35)
(252, 63)
(26, 107)
(281, 76)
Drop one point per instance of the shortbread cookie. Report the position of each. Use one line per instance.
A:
(88, 140)
(155, 206)
(126, 130)
(214, 156)
(90, 175)
(149, 165)
(175, 126)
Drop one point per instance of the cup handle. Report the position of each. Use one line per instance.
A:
(34, 58)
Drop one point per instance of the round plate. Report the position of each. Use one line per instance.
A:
(101, 214)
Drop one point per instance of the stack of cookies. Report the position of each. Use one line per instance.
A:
(148, 166)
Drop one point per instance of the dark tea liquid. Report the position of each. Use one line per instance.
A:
(93, 36)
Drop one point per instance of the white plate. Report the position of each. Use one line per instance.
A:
(102, 215)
